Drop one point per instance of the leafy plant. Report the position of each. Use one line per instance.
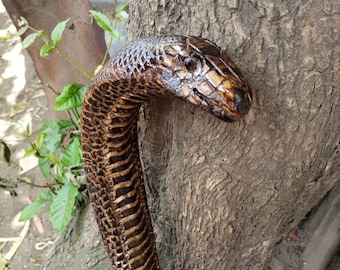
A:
(58, 145)
(6, 154)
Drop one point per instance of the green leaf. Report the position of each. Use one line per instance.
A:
(115, 34)
(122, 7)
(52, 137)
(53, 158)
(46, 50)
(39, 140)
(51, 143)
(79, 110)
(29, 40)
(26, 180)
(58, 171)
(45, 166)
(29, 152)
(32, 209)
(22, 30)
(5, 152)
(22, 22)
(58, 31)
(71, 97)
(60, 209)
(44, 37)
(71, 156)
(53, 133)
(102, 20)
(49, 124)
(123, 16)
(64, 125)
(28, 129)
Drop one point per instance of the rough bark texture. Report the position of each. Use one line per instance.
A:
(82, 40)
(222, 195)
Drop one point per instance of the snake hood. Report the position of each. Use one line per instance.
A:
(192, 68)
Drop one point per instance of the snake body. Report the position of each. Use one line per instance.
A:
(192, 68)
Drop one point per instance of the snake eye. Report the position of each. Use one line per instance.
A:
(190, 64)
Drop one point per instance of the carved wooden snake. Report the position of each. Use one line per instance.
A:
(192, 68)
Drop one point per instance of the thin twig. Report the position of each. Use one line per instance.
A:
(36, 185)
(107, 52)
(69, 59)
(52, 89)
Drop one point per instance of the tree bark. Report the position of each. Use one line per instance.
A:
(222, 195)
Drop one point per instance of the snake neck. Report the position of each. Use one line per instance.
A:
(114, 181)
(111, 156)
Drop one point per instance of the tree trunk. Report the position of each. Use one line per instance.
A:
(82, 40)
(222, 195)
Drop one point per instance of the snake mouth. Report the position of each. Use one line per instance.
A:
(217, 109)
(224, 117)
(229, 108)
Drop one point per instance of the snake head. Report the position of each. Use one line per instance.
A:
(201, 73)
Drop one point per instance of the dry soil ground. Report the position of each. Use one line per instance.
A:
(22, 101)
